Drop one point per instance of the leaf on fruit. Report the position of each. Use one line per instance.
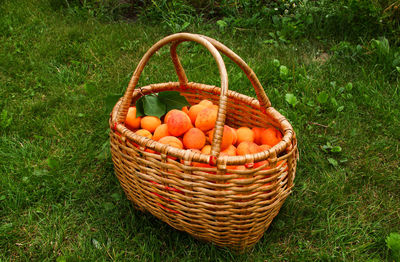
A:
(291, 99)
(111, 100)
(322, 97)
(152, 106)
(139, 107)
(173, 100)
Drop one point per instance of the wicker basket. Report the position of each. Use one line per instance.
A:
(228, 207)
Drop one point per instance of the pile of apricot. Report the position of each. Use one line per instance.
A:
(193, 128)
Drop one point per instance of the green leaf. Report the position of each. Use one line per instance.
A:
(140, 107)
(276, 62)
(393, 243)
(349, 87)
(111, 100)
(283, 71)
(333, 162)
(172, 100)
(334, 102)
(322, 97)
(336, 149)
(340, 108)
(398, 68)
(153, 106)
(291, 99)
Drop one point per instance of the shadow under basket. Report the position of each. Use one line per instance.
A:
(206, 196)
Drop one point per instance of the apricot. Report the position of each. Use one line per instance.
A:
(178, 122)
(131, 121)
(150, 123)
(206, 150)
(246, 147)
(264, 147)
(229, 151)
(194, 139)
(172, 141)
(227, 137)
(234, 142)
(185, 109)
(206, 119)
(271, 136)
(194, 111)
(144, 132)
(161, 131)
(206, 103)
(244, 134)
(257, 131)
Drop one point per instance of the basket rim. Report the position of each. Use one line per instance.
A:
(289, 136)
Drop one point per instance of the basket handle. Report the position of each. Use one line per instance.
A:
(180, 37)
(260, 93)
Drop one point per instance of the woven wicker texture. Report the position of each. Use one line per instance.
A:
(228, 207)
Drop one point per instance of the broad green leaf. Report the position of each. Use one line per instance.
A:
(333, 162)
(111, 100)
(153, 106)
(336, 149)
(283, 71)
(334, 102)
(340, 108)
(140, 107)
(291, 99)
(398, 68)
(349, 86)
(322, 97)
(393, 243)
(276, 62)
(172, 100)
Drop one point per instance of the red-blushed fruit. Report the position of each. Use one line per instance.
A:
(206, 119)
(150, 123)
(227, 137)
(194, 111)
(132, 122)
(178, 122)
(271, 136)
(257, 131)
(194, 138)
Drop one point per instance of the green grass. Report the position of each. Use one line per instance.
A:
(58, 198)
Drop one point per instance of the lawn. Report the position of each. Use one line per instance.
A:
(60, 199)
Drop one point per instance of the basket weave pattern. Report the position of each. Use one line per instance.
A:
(228, 207)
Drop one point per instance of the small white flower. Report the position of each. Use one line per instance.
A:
(276, 9)
(286, 11)
(294, 5)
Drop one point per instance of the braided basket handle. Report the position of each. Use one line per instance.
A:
(260, 93)
(180, 37)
